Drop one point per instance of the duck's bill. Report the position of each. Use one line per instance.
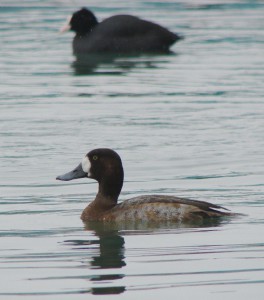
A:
(74, 174)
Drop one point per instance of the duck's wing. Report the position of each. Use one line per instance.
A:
(161, 207)
(172, 200)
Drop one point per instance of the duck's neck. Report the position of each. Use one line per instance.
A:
(109, 190)
(110, 187)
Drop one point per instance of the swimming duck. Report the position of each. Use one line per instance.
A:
(117, 34)
(105, 166)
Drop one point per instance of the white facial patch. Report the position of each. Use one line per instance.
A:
(86, 165)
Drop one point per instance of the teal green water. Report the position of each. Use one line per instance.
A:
(187, 124)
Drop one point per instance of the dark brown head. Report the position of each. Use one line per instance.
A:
(105, 166)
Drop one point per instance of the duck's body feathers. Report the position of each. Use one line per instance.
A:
(156, 208)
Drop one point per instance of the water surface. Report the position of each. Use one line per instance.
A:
(187, 124)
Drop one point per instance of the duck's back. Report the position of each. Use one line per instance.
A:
(125, 34)
(156, 208)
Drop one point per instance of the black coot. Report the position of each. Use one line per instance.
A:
(118, 34)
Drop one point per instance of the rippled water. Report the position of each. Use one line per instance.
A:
(187, 124)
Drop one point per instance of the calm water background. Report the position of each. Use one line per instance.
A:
(187, 124)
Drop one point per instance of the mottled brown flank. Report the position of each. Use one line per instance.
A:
(154, 208)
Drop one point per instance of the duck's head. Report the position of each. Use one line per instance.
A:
(82, 21)
(105, 166)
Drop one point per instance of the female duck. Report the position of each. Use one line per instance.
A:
(117, 34)
(105, 166)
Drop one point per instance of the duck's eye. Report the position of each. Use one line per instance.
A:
(95, 157)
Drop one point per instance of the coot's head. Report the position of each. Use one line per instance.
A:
(82, 22)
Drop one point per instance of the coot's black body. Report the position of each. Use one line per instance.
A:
(118, 34)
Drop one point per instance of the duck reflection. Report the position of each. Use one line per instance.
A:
(110, 256)
(111, 244)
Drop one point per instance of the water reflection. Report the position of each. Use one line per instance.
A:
(110, 256)
(111, 246)
(111, 242)
(113, 64)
